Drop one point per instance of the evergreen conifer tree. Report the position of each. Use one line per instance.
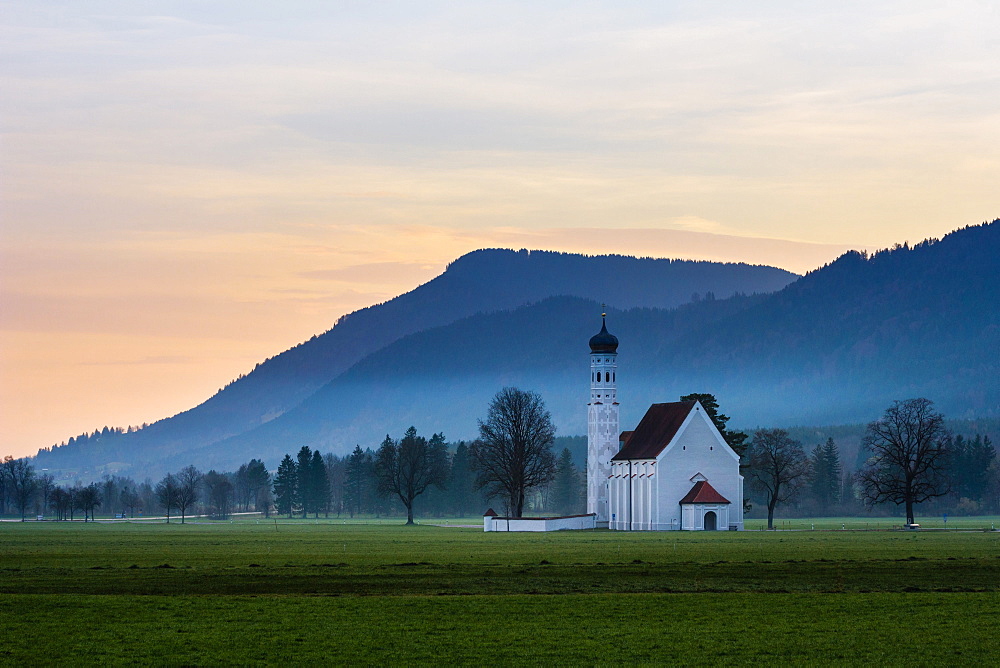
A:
(461, 483)
(826, 475)
(319, 485)
(304, 479)
(285, 486)
(971, 461)
(357, 481)
(567, 488)
(335, 471)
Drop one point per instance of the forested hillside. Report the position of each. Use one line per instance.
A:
(835, 347)
(480, 282)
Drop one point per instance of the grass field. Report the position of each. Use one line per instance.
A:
(334, 592)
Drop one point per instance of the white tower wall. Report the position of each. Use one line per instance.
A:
(602, 431)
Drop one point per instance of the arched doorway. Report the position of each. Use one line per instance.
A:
(710, 521)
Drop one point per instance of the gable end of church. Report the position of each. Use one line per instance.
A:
(644, 480)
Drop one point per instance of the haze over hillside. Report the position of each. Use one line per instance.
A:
(481, 282)
(836, 346)
(833, 347)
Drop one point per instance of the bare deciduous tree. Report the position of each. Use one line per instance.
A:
(908, 456)
(130, 499)
(4, 485)
(46, 485)
(251, 482)
(60, 502)
(20, 482)
(219, 493)
(188, 481)
(778, 468)
(166, 493)
(87, 499)
(514, 450)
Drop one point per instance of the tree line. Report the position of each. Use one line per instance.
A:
(910, 458)
(82, 440)
(189, 491)
(511, 465)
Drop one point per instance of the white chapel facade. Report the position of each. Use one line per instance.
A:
(674, 471)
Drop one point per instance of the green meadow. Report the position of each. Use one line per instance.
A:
(265, 592)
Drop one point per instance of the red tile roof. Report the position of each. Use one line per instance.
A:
(702, 492)
(490, 513)
(655, 431)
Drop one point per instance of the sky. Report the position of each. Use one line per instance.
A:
(187, 188)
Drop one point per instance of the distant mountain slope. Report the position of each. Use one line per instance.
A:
(482, 281)
(441, 379)
(906, 321)
(835, 347)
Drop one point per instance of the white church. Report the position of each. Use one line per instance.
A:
(674, 471)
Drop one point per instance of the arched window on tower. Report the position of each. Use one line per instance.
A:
(613, 376)
(607, 376)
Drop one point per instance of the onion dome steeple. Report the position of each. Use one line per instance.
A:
(604, 341)
(603, 431)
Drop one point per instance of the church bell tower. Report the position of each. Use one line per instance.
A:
(602, 420)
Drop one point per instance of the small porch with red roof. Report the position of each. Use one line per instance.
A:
(703, 508)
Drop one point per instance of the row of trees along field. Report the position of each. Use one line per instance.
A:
(511, 465)
(910, 459)
(326, 485)
(457, 480)
(189, 491)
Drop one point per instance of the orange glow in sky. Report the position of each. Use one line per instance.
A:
(186, 190)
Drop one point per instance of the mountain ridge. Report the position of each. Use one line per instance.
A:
(835, 346)
(488, 279)
(807, 354)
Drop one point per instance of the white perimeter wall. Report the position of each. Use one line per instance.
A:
(539, 523)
